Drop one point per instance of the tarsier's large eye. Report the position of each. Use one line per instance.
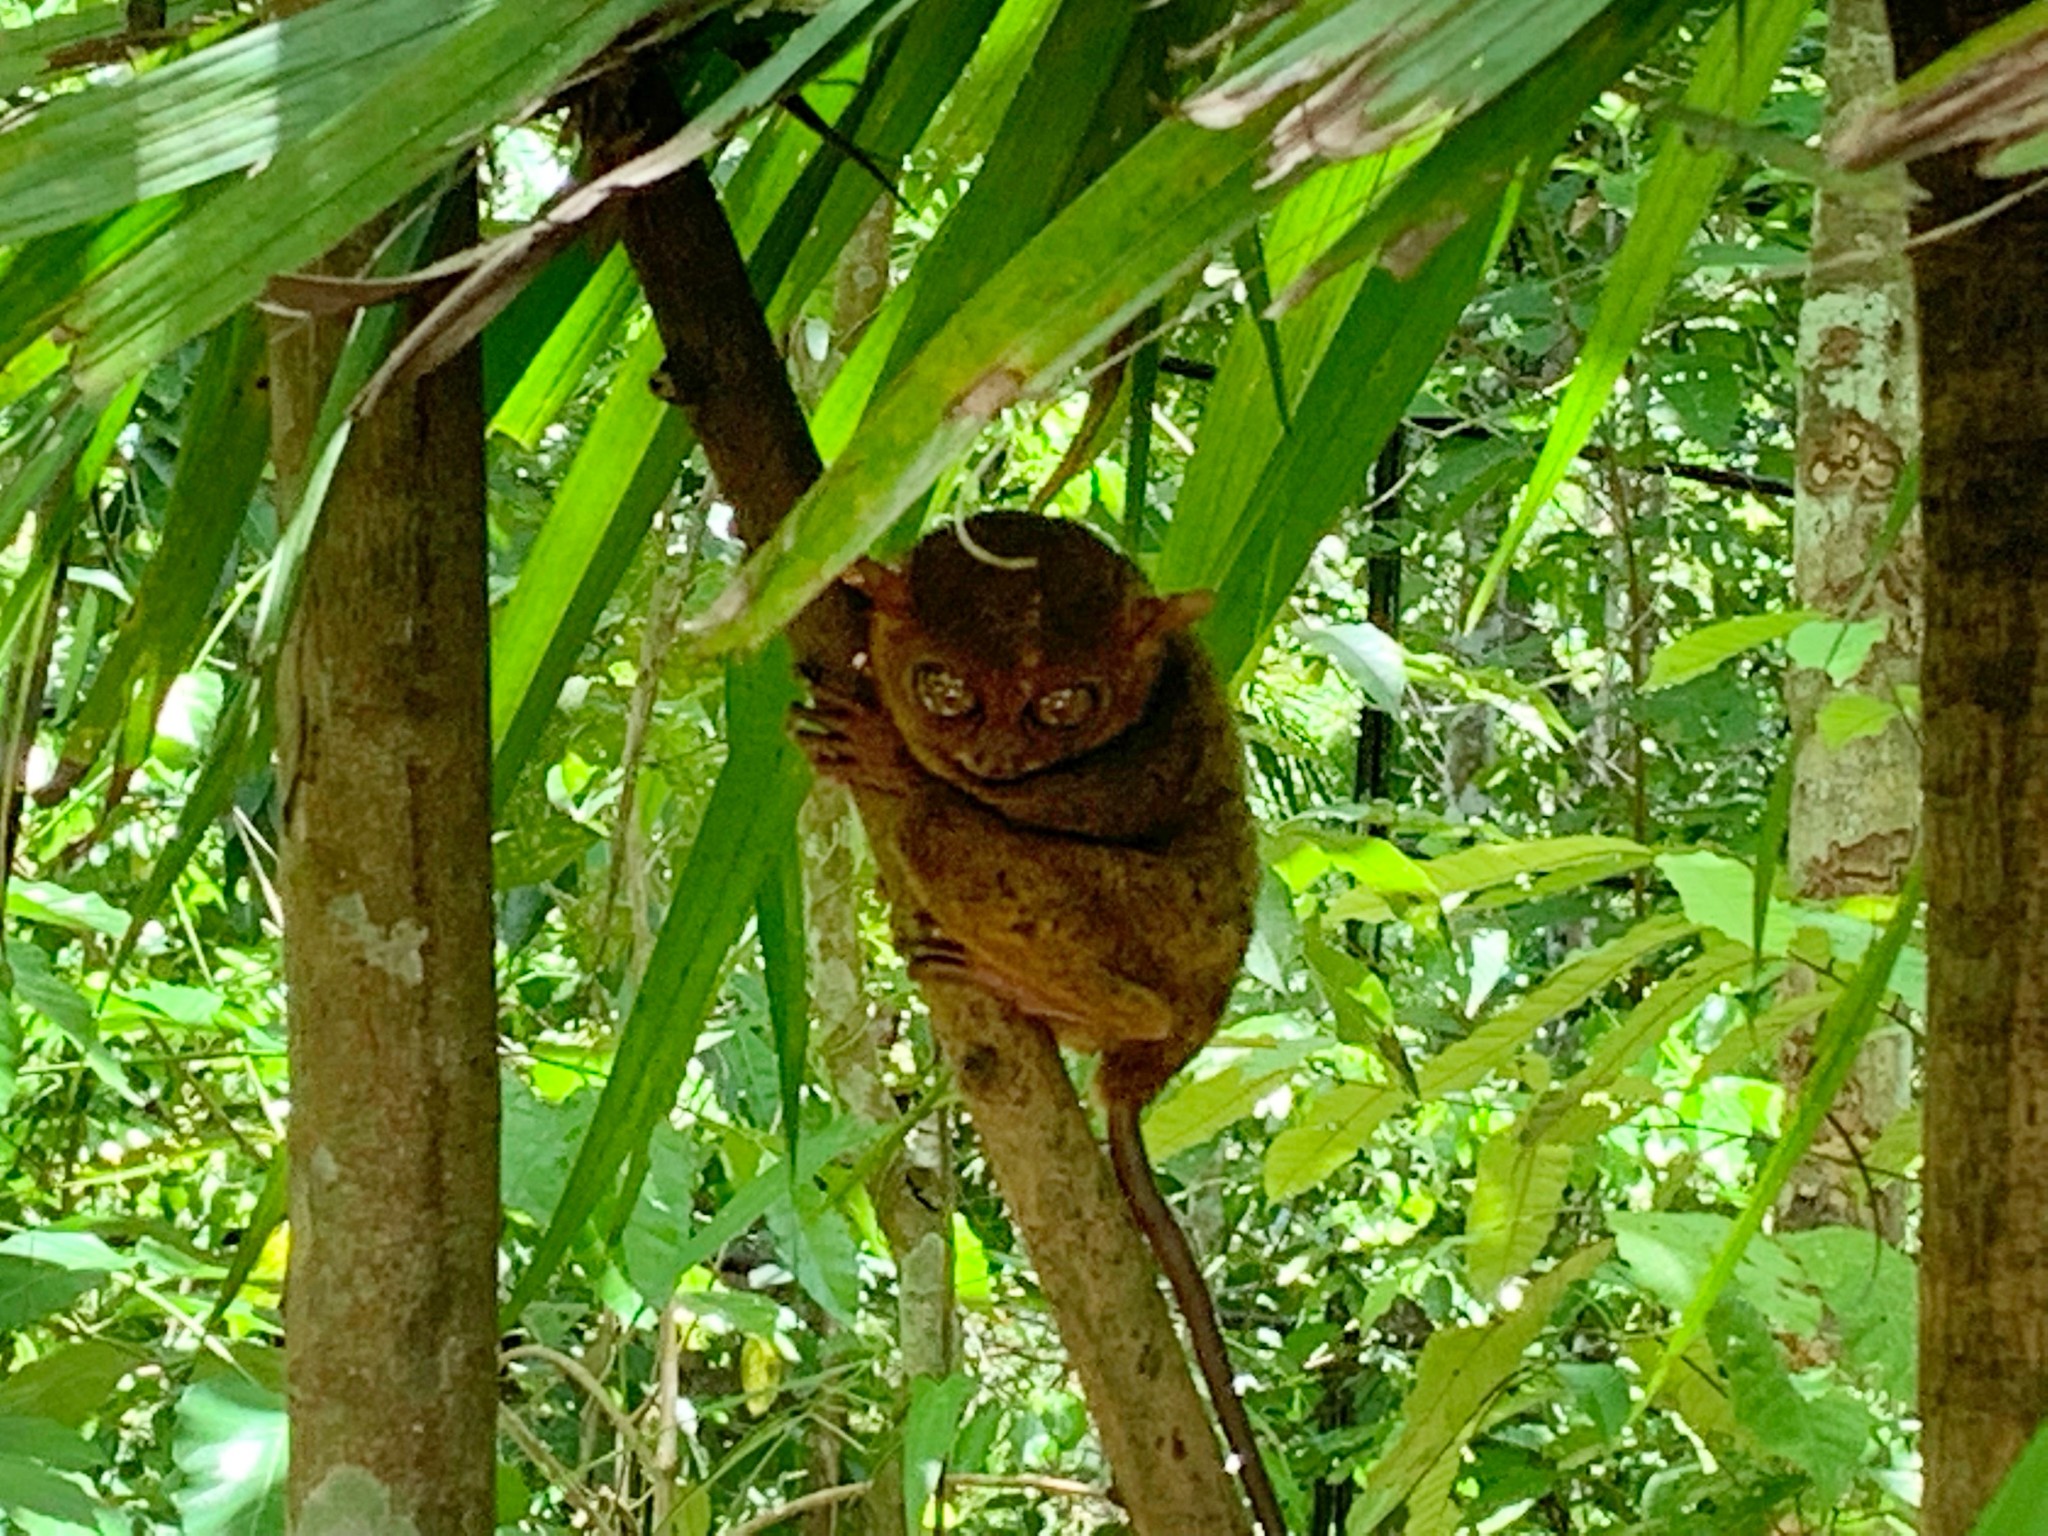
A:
(942, 692)
(1065, 708)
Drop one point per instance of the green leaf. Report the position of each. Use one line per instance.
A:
(2015, 1510)
(1737, 63)
(1019, 335)
(1834, 1055)
(28, 1486)
(32, 1289)
(779, 925)
(752, 806)
(1810, 1422)
(1872, 1295)
(44, 274)
(34, 983)
(1368, 655)
(1227, 1080)
(223, 448)
(1698, 651)
(1516, 1193)
(1475, 161)
(556, 371)
(1377, 359)
(1490, 864)
(622, 473)
(929, 1427)
(70, 1384)
(221, 109)
(1335, 1126)
(1848, 717)
(273, 1201)
(400, 126)
(231, 1447)
(1837, 649)
(1461, 1372)
(45, 901)
(915, 68)
(1720, 893)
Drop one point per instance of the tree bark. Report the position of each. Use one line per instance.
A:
(1855, 810)
(1983, 295)
(724, 370)
(385, 879)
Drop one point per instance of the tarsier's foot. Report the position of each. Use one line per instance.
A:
(851, 741)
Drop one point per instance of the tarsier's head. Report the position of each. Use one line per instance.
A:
(1013, 642)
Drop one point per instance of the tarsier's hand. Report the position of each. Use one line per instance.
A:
(853, 741)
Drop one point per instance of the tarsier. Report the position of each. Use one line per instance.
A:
(1067, 825)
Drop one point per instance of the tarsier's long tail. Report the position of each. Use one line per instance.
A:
(1177, 1261)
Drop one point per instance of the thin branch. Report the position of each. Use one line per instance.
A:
(825, 1498)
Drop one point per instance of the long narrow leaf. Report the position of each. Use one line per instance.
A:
(1834, 1056)
(752, 807)
(221, 109)
(556, 371)
(1737, 64)
(1064, 293)
(618, 479)
(226, 441)
(396, 132)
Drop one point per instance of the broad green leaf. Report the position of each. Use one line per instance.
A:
(44, 901)
(1812, 1423)
(1872, 1295)
(394, 133)
(1461, 1371)
(231, 1447)
(1697, 652)
(1835, 648)
(1368, 655)
(1848, 717)
(221, 109)
(929, 1426)
(1834, 1055)
(1718, 892)
(69, 1385)
(30, 1487)
(572, 348)
(1670, 1253)
(664, 1214)
(751, 808)
(621, 474)
(1515, 1196)
(1737, 63)
(31, 1289)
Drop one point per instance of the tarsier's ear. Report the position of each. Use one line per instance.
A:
(1155, 616)
(888, 589)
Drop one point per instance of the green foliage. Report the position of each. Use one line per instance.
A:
(1480, 1162)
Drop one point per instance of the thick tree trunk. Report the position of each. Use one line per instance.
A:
(385, 876)
(1855, 806)
(1983, 295)
(1094, 1266)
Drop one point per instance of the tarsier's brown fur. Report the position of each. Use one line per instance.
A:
(1061, 789)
